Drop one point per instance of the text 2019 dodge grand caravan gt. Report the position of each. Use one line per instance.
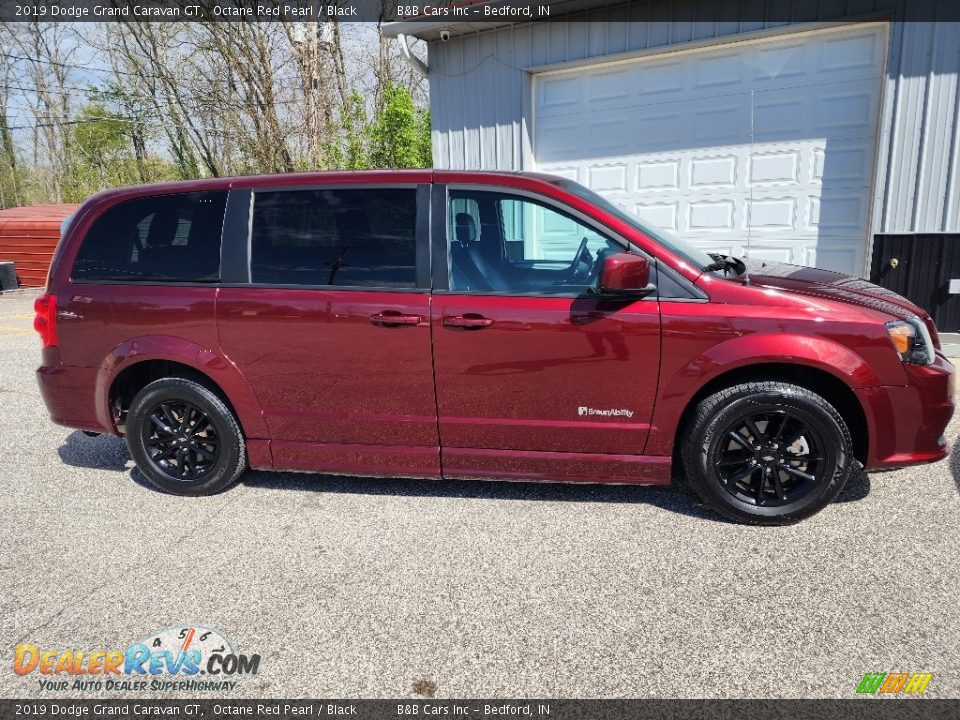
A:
(473, 325)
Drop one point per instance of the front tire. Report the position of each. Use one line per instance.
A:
(184, 438)
(767, 453)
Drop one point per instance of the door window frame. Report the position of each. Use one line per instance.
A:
(236, 243)
(441, 255)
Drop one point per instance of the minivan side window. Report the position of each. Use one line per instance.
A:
(505, 243)
(335, 237)
(164, 238)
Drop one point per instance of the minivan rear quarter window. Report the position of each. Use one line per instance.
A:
(165, 238)
(340, 237)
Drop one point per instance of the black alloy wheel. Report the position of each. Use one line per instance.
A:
(184, 437)
(766, 453)
(771, 459)
(181, 440)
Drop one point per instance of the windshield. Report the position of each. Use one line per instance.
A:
(688, 251)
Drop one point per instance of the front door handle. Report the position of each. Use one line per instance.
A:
(467, 321)
(394, 318)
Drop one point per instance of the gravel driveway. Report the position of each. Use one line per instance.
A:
(381, 588)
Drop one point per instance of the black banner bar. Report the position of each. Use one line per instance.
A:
(400, 709)
(450, 11)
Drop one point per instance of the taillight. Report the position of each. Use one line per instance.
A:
(45, 321)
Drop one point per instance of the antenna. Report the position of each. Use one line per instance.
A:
(746, 271)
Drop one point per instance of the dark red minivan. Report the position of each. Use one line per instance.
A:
(435, 324)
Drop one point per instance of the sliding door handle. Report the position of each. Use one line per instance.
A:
(393, 318)
(467, 321)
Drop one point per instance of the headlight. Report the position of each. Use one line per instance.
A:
(912, 341)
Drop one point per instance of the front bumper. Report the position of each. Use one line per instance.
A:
(907, 422)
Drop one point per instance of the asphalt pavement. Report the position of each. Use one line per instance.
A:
(393, 588)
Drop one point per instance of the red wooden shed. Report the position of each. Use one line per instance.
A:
(28, 236)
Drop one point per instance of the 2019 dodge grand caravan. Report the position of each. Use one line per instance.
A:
(473, 325)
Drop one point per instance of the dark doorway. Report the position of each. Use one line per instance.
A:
(920, 268)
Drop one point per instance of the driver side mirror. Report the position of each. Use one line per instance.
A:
(625, 274)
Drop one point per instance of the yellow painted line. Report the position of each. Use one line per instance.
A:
(15, 329)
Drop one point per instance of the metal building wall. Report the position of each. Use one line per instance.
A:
(480, 91)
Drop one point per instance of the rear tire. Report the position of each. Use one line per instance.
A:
(184, 438)
(767, 453)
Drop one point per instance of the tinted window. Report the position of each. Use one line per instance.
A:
(353, 238)
(164, 238)
(508, 243)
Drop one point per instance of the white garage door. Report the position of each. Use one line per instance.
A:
(669, 137)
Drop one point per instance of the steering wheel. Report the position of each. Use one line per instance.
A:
(582, 265)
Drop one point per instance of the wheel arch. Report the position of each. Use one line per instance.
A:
(136, 376)
(134, 364)
(829, 386)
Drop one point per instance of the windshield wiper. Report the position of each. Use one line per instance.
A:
(725, 263)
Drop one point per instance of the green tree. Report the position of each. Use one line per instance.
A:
(184, 158)
(356, 129)
(105, 154)
(400, 136)
(98, 141)
(124, 100)
(102, 138)
(424, 144)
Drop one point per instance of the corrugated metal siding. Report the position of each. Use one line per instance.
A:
(480, 88)
(925, 264)
(921, 183)
(28, 237)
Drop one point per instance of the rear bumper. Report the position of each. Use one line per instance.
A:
(69, 394)
(906, 423)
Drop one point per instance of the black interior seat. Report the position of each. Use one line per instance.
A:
(161, 257)
(469, 265)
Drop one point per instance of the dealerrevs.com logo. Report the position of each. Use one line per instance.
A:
(178, 658)
(894, 683)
